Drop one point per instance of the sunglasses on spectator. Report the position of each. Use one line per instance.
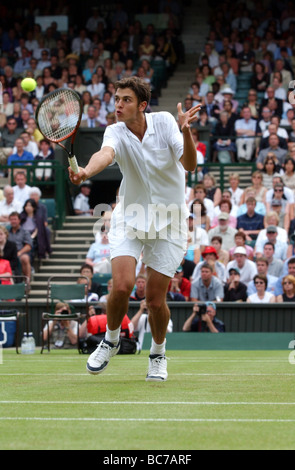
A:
(258, 282)
(278, 190)
(287, 282)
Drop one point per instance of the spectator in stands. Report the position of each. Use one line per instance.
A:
(253, 103)
(250, 223)
(246, 130)
(138, 293)
(224, 131)
(273, 147)
(262, 268)
(222, 254)
(207, 286)
(289, 174)
(246, 267)
(234, 189)
(21, 188)
(34, 222)
(286, 74)
(274, 104)
(9, 250)
(260, 78)
(240, 240)
(262, 295)
(81, 202)
(99, 253)
(91, 120)
(272, 236)
(270, 168)
(180, 284)
(213, 192)
(9, 134)
(275, 265)
(45, 157)
(224, 231)
(287, 192)
(212, 107)
(210, 257)
(227, 95)
(288, 285)
(21, 156)
(23, 241)
(225, 206)
(282, 208)
(256, 187)
(8, 205)
(234, 290)
(200, 193)
(204, 322)
(29, 144)
(95, 287)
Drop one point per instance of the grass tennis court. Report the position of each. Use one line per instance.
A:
(212, 400)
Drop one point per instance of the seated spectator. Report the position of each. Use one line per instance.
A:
(222, 254)
(270, 168)
(180, 284)
(9, 133)
(81, 201)
(63, 334)
(253, 104)
(21, 189)
(94, 287)
(98, 255)
(210, 257)
(272, 236)
(204, 322)
(264, 121)
(138, 292)
(23, 241)
(141, 324)
(257, 187)
(223, 230)
(5, 270)
(290, 264)
(262, 295)
(21, 156)
(260, 78)
(227, 95)
(240, 240)
(262, 268)
(282, 208)
(207, 286)
(91, 120)
(246, 58)
(200, 193)
(224, 130)
(9, 250)
(287, 192)
(212, 107)
(245, 129)
(30, 145)
(213, 192)
(288, 285)
(8, 204)
(274, 104)
(272, 218)
(259, 208)
(250, 223)
(224, 206)
(235, 190)
(289, 174)
(44, 159)
(246, 267)
(275, 265)
(234, 290)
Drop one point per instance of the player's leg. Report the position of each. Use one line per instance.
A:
(159, 315)
(123, 275)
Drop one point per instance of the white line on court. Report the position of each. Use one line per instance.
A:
(203, 403)
(182, 420)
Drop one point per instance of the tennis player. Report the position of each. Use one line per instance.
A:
(150, 215)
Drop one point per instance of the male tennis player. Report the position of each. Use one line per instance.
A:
(150, 215)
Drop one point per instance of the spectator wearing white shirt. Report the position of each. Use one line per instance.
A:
(246, 267)
(81, 45)
(245, 129)
(21, 189)
(8, 205)
(30, 145)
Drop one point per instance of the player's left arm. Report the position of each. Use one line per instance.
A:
(189, 156)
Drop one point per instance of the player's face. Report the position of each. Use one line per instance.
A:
(127, 106)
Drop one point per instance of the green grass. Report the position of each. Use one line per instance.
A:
(212, 400)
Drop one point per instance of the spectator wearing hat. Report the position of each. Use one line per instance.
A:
(246, 267)
(250, 223)
(207, 286)
(81, 202)
(282, 208)
(206, 322)
(210, 256)
(262, 268)
(240, 240)
(223, 230)
(246, 130)
(180, 284)
(281, 247)
(234, 289)
(227, 95)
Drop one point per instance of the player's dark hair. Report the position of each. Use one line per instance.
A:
(141, 89)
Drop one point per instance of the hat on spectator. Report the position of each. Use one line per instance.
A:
(208, 250)
(86, 183)
(227, 90)
(234, 269)
(223, 216)
(179, 269)
(240, 250)
(271, 229)
(210, 304)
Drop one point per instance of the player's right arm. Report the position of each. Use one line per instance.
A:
(97, 163)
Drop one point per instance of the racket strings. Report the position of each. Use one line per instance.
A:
(59, 115)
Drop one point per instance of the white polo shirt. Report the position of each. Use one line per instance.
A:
(153, 177)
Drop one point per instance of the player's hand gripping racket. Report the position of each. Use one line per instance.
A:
(58, 116)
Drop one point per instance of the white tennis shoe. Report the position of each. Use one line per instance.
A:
(157, 371)
(99, 359)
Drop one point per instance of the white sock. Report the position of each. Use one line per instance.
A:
(112, 336)
(158, 348)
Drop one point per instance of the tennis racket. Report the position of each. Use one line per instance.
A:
(58, 116)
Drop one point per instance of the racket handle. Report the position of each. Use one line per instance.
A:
(74, 164)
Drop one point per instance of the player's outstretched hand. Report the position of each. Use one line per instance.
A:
(77, 178)
(185, 119)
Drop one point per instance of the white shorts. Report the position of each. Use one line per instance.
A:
(162, 253)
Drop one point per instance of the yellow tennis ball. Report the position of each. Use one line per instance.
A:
(28, 84)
